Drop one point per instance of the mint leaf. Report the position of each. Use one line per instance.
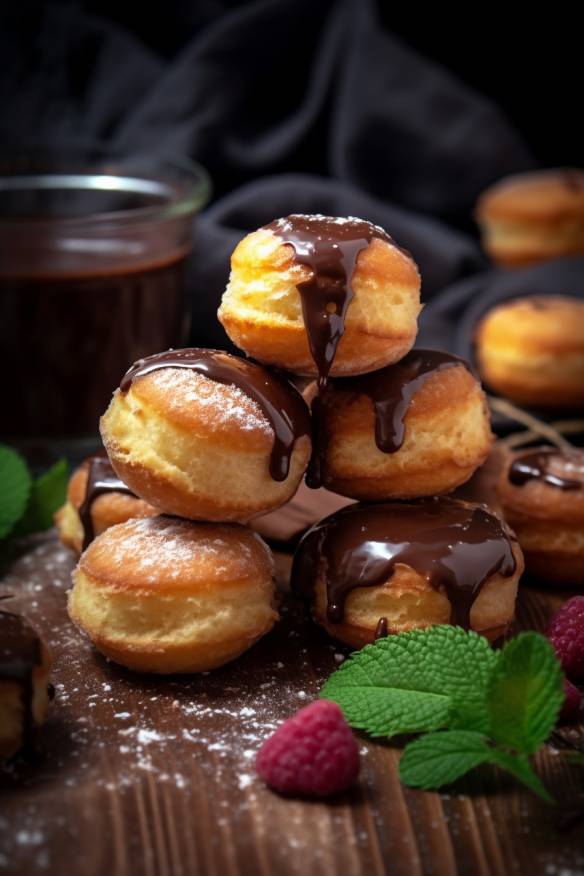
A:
(47, 495)
(519, 766)
(15, 483)
(438, 759)
(525, 693)
(422, 680)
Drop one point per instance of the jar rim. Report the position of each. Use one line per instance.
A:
(183, 185)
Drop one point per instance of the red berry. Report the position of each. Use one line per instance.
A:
(312, 754)
(571, 708)
(566, 633)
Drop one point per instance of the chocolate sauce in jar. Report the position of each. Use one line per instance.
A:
(329, 246)
(101, 478)
(20, 654)
(69, 326)
(279, 401)
(456, 547)
(534, 465)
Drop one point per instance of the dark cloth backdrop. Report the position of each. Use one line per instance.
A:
(293, 106)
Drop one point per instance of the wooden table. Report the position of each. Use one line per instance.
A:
(149, 776)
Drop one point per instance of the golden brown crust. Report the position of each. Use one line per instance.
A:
(532, 350)
(160, 595)
(548, 522)
(197, 448)
(409, 602)
(106, 510)
(533, 217)
(447, 437)
(261, 308)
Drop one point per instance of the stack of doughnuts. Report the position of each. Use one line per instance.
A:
(201, 442)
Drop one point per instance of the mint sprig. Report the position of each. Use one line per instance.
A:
(475, 705)
(28, 505)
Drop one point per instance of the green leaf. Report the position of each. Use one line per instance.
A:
(519, 766)
(525, 693)
(47, 495)
(422, 680)
(438, 759)
(15, 484)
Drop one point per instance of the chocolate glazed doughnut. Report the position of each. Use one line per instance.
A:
(387, 567)
(415, 428)
(208, 436)
(320, 295)
(541, 490)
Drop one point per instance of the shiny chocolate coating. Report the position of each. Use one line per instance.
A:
(101, 478)
(533, 465)
(455, 546)
(279, 401)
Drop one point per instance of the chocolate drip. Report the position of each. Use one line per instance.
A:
(280, 402)
(381, 630)
(534, 466)
(391, 391)
(329, 246)
(20, 654)
(101, 478)
(456, 547)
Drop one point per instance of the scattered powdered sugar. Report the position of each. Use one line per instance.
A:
(222, 405)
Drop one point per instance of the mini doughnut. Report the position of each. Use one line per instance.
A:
(205, 435)
(24, 684)
(532, 350)
(96, 499)
(370, 570)
(305, 284)
(542, 494)
(533, 217)
(165, 595)
(417, 428)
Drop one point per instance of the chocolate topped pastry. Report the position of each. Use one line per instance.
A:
(96, 499)
(280, 404)
(549, 465)
(320, 294)
(415, 428)
(414, 564)
(329, 246)
(541, 490)
(206, 435)
(24, 677)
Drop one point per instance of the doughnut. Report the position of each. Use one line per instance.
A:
(96, 499)
(317, 295)
(412, 429)
(24, 685)
(370, 570)
(165, 595)
(531, 350)
(533, 217)
(541, 491)
(208, 436)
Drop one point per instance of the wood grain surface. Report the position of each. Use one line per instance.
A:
(155, 776)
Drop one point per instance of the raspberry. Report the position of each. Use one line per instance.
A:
(312, 754)
(566, 633)
(571, 708)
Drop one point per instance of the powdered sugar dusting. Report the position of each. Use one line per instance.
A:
(220, 404)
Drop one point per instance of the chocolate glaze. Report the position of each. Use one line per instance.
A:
(381, 630)
(20, 654)
(101, 478)
(456, 547)
(280, 402)
(533, 465)
(329, 246)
